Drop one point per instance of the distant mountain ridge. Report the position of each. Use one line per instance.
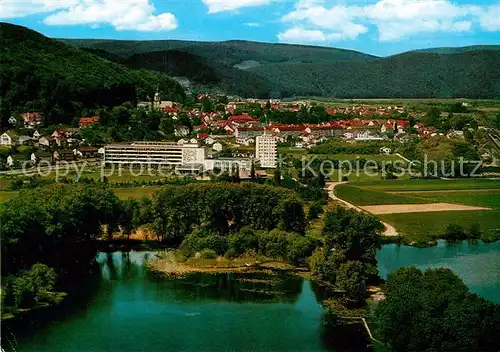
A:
(263, 70)
(283, 70)
(459, 50)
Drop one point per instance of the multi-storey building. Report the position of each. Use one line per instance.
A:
(266, 151)
(154, 153)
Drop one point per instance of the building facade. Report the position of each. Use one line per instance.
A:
(154, 153)
(266, 151)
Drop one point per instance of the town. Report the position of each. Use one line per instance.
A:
(200, 135)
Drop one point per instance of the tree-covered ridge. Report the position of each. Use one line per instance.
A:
(211, 75)
(294, 70)
(228, 52)
(474, 74)
(42, 74)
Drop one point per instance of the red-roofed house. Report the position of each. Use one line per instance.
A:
(243, 118)
(88, 121)
(31, 119)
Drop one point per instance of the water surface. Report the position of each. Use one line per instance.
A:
(130, 310)
(477, 264)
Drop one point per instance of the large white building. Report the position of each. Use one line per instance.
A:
(266, 151)
(155, 153)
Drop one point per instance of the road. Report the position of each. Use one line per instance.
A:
(389, 230)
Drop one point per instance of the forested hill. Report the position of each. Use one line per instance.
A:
(280, 70)
(458, 50)
(473, 74)
(42, 74)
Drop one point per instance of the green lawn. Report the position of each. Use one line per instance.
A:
(423, 227)
(375, 157)
(135, 192)
(489, 199)
(428, 185)
(361, 196)
(5, 196)
(122, 193)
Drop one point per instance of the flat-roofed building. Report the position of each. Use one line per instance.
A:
(244, 164)
(266, 151)
(154, 153)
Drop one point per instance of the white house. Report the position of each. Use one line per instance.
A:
(23, 139)
(36, 134)
(385, 150)
(9, 139)
(217, 147)
(210, 141)
(44, 142)
(13, 121)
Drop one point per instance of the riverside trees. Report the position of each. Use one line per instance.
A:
(347, 260)
(434, 311)
(55, 226)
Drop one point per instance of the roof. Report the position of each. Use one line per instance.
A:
(242, 118)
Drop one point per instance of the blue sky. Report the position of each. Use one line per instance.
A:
(380, 27)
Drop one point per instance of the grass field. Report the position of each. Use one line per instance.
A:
(5, 196)
(424, 227)
(122, 193)
(135, 192)
(489, 199)
(361, 196)
(427, 226)
(428, 185)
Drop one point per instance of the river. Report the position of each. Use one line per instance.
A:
(477, 264)
(127, 309)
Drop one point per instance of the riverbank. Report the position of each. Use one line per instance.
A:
(52, 299)
(172, 264)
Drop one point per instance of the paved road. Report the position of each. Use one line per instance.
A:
(389, 230)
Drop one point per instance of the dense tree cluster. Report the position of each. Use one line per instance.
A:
(347, 260)
(222, 208)
(51, 230)
(434, 311)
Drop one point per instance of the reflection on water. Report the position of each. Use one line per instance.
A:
(129, 309)
(477, 264)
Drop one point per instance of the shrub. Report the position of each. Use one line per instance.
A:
(208, 254)
(274, 244)
(244, 241)
(196, 242)
(299, 248)
(345, 178)
(454, 232)
(315, 209)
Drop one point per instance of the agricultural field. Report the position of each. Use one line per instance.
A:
(424, 227)
(364, 196)
(135, 192)
(428, 184)
(122, 193)
(421, 225)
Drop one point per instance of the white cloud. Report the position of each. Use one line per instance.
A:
(490, 18)
(215, 6)
(22, 8)
(300, 35)
(393, 19)
(253, 24)
(123, 15)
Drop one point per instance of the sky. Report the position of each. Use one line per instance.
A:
(378, 27)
